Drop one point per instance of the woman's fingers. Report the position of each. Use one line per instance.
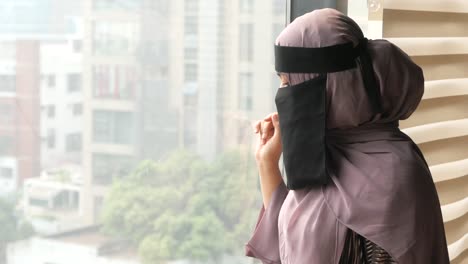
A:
(268, 117)
(265, 128)
(256, 126)
(267, 131)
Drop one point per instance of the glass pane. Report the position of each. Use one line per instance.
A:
(125, 128)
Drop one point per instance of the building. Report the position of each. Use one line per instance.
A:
(51, 202)
(79, 246)
(61, 99)
(127, 113)
(222, 49)
(250, 80)
(19, 101)
(23, 25)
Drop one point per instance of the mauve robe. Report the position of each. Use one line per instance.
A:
(381, 185)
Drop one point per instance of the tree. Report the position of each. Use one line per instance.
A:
(184, 207)
(12, 227)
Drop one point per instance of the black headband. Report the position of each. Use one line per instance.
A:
(331, 59)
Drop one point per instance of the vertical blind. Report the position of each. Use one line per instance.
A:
(435, 34)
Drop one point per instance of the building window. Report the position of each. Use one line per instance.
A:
(191, 72)
(107, 167)
(98, 203)
(38, 202)
(51, 111)
(7, 114)
(191, 6)
(51, 138)
(6, 145)
(51, 81)
(246, 42)
(246, 6)
(279, 7)
(245, 91)
(114, 82)
(7, 83)
(112, 127)
(115, 38)
(74, 82)
(77, 109)
(106, 5)
(191, 25)
(191, 54)
(6, 173)
(77, 45)
(73, 142)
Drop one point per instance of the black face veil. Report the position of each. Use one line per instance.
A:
(302, 107)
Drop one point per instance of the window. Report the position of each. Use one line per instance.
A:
(107, 167)
(191, 54)
(115, 38)
(128, 5)
(51, 138)
(51, 111)
(246, 6)
(191, 6)
(98, 202)
(77, 45)
(7, 83)
(114, 82)
(7, 113)
(73, 142)
(112, 127)
(38, 202)
(65, 200)
(134, 108)
(6, 144)
(246, 42)
(279, 7)
(6, 173)
(51, 81)
(191, 71)
(245, 91)
(77, 109)
(191, 25)
(74, 82)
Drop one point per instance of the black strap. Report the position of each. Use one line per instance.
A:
(315, 60)
(331, 59)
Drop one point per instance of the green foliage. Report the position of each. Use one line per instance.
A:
(7, 222)
(184, 207)
(11, 227)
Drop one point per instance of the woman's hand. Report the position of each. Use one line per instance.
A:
(269, 148)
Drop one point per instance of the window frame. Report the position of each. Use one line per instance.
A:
(296, 8)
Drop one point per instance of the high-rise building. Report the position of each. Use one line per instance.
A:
(111, 89)
(127, 110)
(226, 70)
(19, 101)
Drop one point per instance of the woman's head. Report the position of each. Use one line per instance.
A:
(319, 28)
(400, 81)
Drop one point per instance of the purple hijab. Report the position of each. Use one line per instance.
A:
(381, 185)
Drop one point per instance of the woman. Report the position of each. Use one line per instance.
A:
(371, 199)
